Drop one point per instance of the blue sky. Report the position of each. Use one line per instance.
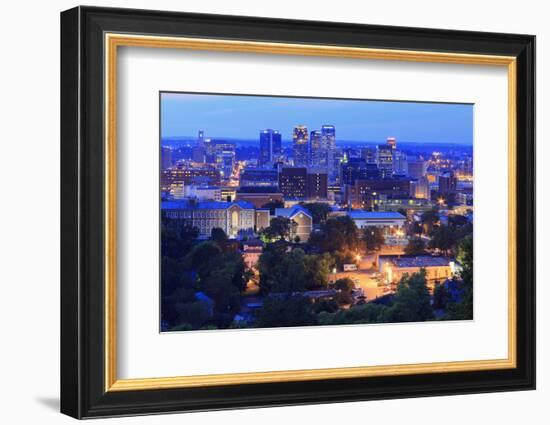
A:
(364, 120)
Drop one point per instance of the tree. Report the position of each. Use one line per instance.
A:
(429, 219)
(336, 234)
(443, 238)
(269, 265)
(319, 211)
(416, 246)
(218, 236)
(280, 312)
(357, 314)
(218, 285)
(292, 276)
(412, 300)
(279, 228)
(317, 270)
(177, 238)
(373, 238)
(273, 205)
(204, 258)
(196, 314)
(464, 310)
(345, 287)
(441, 297)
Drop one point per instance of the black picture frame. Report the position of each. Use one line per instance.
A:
(83, 392)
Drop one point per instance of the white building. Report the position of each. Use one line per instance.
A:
(388, 219)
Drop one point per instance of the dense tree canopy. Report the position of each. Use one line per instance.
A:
(373, 238)
(319, 211)
(336, 234)
(416, 246)
(279, 228)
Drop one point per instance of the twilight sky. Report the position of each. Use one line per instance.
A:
(359, 120)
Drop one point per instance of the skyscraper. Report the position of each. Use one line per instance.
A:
(358, 169)
(266, 147)
(317, 183)
(447, 182)
(399, 162)
(300, 145)
(328, 142)
(276, 145)
(391, 142)
(199, 151)
(293, 182)
(369, 155)
(384, 159)
(317, 151)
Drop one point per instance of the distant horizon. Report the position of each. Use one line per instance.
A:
(370, 142)
(242, 117)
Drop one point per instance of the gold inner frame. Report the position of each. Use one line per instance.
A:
(113, 41)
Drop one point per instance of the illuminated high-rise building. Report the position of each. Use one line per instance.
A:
(384, 159)
(328, 142)
(317, 151)
(293, 182)
(276, 145)
(200, 138)
(399, 162)
(300, 145)
(392, 142)
(266, 147)
(270, 147)
(369, 155)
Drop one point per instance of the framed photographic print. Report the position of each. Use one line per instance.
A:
(261, 212)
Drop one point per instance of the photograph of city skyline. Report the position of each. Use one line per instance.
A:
(305, 211)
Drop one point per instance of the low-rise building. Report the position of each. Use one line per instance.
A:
(389, 219)
(202, 193)
(232, 217)
(252, 250)
(259, 196)
(393, 268)
(303, 219)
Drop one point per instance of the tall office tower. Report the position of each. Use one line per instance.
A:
(369, 155)
(200, 138)
(317, 183)
(199, 150)
(300, 145)
(328, 141)
(416, 168)
(317, 151)
(226, 163)
(392, 142)
(199, 154)
(166, 157)
(420, 188)
(293, 182)
(358, 169)
(266, 147)
(399, 162)
(276, 145)
(447, 182)
(384, 159)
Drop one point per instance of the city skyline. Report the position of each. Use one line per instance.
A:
(243, 116)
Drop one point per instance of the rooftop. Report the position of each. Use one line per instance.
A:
(203, 205)
(407, 261)
(258, 189)
(376, 215)
(291, 212)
